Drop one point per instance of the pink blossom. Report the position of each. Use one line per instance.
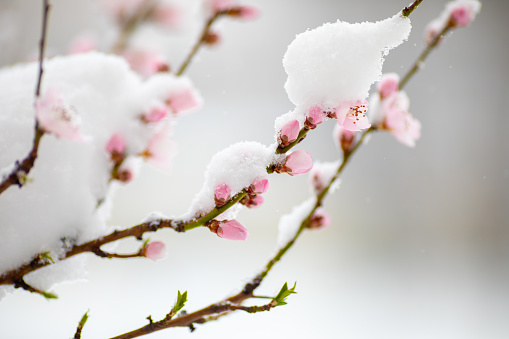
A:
(289, 133)
(57, 118)
(352, 115)
(388, 85)
(167, 15)
(298, 162)
(155, 250)
(343, 138)
(259, 186)
(222, 194)
(398, 121)
(232, 230)
(319, 220)
(146, 62)
(462, 12)
(245, 12)
(432, 30)
(183, 99)
(122, 9)
(82, 44)
(220, 5)
(315, 116)
(116, 144)
(155, 113)
(160, 149)
(253, 201)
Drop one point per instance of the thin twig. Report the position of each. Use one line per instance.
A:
(409, 9)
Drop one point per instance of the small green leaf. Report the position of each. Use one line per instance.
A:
(49, 295)
(145, 243)
(181, 301)
(280, 299)
(45, 255)
(84, 319)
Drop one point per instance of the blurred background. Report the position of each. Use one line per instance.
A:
(419, 243)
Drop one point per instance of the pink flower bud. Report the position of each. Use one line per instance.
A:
(431, 31)
(298, 162)
(352, 115)
(259, 186)
(289, 133)
(247, 13)
(82, 44)
(219, 5)
(315, 116)
(388, 85)
(252, 201)
(222, 194)
(183, 100)
(116, 144)
(155, 113)
(160, 149)
(232, 230)
(344, 138)
(57, 118)
(166, 15)
(146, 62)
(212, 38)
(320, 219)
(462, 13)
(155, 250)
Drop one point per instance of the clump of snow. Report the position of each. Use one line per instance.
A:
(67, 198)
(237, 166)
(154, 218)
(321, 175)
(339, 61)
(289, 224)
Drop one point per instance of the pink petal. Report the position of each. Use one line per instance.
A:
(167, 15)
(155, 250)
(352, 115)
(248, 13)
(298, 162)
(388, 85)
(260, 186)
(222, 194)
(319, 220)
(146, 62)
(315, 116)
(220, 5)
(116, 144)
(183, 100)
(160, 149)
(232, 230)
(82, 44)
(289, 132)
(156, 113)
(254, 202)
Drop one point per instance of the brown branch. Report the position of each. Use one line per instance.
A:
(409, 9)
(22, 169)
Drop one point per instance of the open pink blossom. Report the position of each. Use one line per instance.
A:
(155, 113)
(320, 219)
(160, 149)
(462, 12)
(146, 62)
(155, 250)
(116, 144)
(398, 121)
(388, 85)
(57, 118)
(232, 230)
(298, 162)
(289, 133)
(82, 44)
(352, 115)
(222, 194)
(253, 201)
(167, 15)
(259, 186)
(183, 99)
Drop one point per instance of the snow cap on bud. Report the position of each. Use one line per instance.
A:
(222, 194)
(352, 115)
(315, 116)
(57, 118)
(298, 162)
(183, 100)
(154, 250)
(253, 201)
(388, 85)
(289, 133)
(320, 219)
(259, 186)
(155, 113)
(116, 145)
(462, 12)
(231, 230)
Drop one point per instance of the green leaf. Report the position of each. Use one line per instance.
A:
(145, 243)
(181, 301)
(84, 319)
(280, 299)
(45, 255)
(49, 295)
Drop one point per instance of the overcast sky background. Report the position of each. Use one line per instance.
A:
(419, 244)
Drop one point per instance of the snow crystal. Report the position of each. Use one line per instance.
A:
(237, 166)
(289, 224)
(67, 199)
(339, 61)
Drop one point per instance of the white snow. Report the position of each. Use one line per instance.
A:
(322, 173)
(339, 61)
(289, 223)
